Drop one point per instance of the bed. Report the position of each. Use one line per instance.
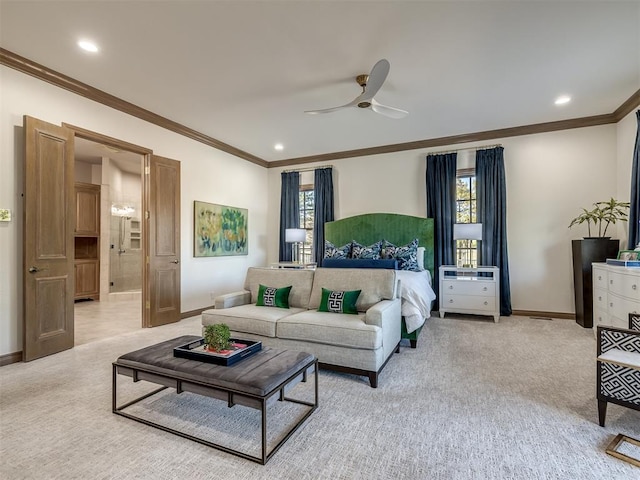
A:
(416, 292)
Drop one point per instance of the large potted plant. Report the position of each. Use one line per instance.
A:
(593, 249)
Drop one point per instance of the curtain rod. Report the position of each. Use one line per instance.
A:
(482, 147)
(308, 169)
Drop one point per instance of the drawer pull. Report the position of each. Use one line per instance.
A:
(611, 282)
(486, 303)
(450, 287)
(599, 299)
(611, 304)
(450, 300)
(484, 289)
(599, 277)
(634, 287)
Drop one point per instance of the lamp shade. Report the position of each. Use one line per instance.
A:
(467, 231)
(293, 235)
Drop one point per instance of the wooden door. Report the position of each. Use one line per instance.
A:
(163, 302)
(49, 220)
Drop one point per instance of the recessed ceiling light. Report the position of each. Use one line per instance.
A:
(88, 46)
(561, 100)
(279, 147)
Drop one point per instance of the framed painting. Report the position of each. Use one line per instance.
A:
(219, 230)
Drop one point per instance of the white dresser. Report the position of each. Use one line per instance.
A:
(470, 290)
(616, 294)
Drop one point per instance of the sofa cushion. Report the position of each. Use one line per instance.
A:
(330, 328)
(273, 297)
(300, 280)
(375, 285)
(339, 301)
(249, 318)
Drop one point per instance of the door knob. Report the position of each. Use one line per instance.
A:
(36, 269)
(176, 261)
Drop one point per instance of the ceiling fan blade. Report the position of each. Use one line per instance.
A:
(387, 111)
(377, 77)
(332, 109)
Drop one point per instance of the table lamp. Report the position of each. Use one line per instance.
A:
(467, 231)
(297, 236)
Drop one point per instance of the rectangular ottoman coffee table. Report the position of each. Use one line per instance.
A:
(252, 382)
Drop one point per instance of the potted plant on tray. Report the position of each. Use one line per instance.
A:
(593, 249)
(217, 337)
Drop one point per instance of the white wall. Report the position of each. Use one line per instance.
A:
(207, 175)
(549, 178)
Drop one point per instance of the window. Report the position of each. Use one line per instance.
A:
(307, 205)
(466, 212)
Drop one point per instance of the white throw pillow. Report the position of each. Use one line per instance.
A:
(421, 258)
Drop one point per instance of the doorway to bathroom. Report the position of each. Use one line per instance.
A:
(109, 301)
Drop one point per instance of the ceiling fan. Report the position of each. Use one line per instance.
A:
(370, 85)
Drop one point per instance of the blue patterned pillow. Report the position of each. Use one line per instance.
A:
(331, 251)
(407, 255)
(372, 252)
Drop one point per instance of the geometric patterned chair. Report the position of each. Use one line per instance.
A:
(618, 368)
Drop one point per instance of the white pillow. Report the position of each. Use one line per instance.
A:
(421, 258)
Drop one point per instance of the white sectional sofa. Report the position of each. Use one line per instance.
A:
(360, 344)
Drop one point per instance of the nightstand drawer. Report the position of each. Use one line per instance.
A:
(469, 287)
(469, 302)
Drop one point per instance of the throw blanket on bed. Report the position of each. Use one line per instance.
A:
(417, 297)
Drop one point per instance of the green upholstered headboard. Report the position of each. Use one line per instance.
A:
(397, 229)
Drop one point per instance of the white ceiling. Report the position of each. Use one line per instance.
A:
(243, 72)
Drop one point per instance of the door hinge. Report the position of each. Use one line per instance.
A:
(147, 259)
(147, 170)
(146, 214)
(148, 305)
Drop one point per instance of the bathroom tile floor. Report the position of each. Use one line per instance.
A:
(97, 320)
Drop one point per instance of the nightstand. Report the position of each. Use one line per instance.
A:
(470, 290)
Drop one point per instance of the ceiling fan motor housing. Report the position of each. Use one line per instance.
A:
(362, 81)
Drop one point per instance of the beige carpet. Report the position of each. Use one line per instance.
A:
(476, 400)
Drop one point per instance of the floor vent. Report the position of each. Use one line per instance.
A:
(541, 318)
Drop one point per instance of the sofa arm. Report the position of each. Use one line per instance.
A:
(233, 299)
(384, 313)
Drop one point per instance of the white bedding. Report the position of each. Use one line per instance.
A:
(417, 297)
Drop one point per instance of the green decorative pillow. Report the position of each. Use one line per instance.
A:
(273, 297)
(339, 302)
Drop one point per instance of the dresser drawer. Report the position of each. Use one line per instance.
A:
(625, 285)
(600, 299)
(621, 307)
(600, 278)
(469, 302)
(469, 287)
(600, 317)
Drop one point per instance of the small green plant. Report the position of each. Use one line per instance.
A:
(217, 337)
(604, 214)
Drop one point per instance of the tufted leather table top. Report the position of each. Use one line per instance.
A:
(258, 375)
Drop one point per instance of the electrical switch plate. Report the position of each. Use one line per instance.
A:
(5, 215)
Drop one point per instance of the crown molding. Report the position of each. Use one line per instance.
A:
(455, 139)
(45, 74)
